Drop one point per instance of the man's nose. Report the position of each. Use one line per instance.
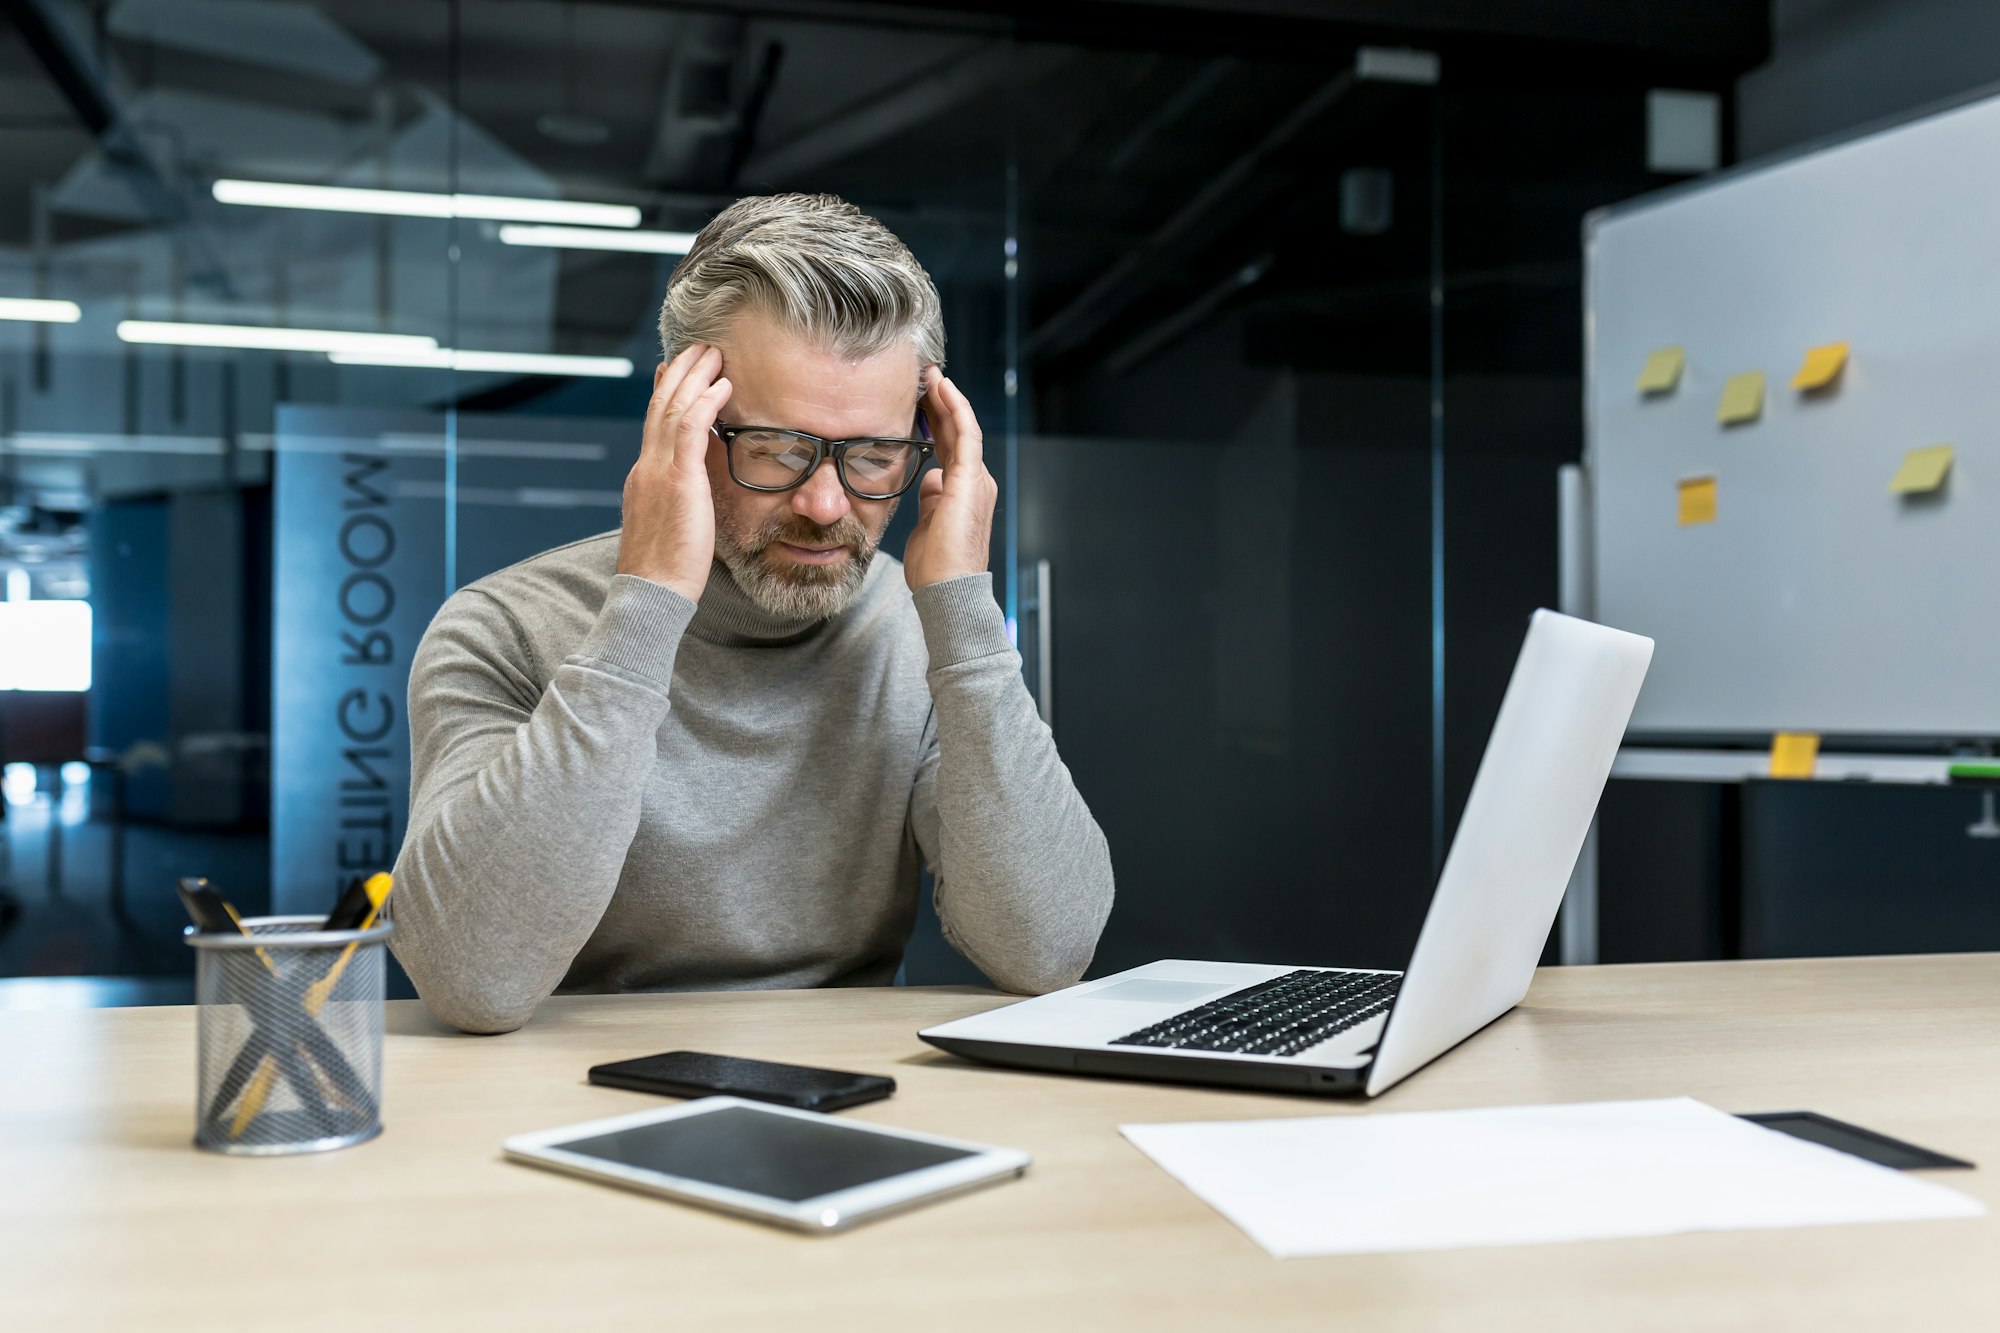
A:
(821, 498)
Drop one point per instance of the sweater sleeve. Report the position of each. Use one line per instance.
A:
(523, 808)
(1023, 874)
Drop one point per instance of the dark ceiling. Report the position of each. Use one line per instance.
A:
(1165, 156)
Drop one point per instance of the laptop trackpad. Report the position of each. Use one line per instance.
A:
(1156, 992)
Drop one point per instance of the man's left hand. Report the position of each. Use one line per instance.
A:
(954, 531)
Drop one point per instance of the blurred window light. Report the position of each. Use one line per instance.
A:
(40, 311)
(419, 204)
(75, 773)
(594, 238)
(17, 783)
(44, 645)
(506, 363)
(262, 338)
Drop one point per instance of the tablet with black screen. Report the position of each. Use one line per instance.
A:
(797, 1168)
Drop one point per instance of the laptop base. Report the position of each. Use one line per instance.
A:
(1311, 1080)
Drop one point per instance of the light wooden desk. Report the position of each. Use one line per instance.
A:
(109, 1219)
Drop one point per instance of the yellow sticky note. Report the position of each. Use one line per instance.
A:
(1923, 471)
(1820, 366)
(1794, 754)
(1662, 370)
(1742, 398)
(1697, 501)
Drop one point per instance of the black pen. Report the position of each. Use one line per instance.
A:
(261, 1059)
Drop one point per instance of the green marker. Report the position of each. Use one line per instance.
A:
(1984, 770)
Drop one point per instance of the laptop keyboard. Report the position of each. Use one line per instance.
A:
(1282, 1016)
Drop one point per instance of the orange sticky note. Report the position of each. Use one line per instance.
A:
(1794, 754)
(1697, 501)
(1923, 471)
(1742, 398)
(1821, 365)
(1662, 370)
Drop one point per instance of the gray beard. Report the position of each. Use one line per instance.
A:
(791, 591)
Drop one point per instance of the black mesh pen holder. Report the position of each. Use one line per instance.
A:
(289, 1036)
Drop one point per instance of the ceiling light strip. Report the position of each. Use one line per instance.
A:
(587, 238)
(419, 204)
(257, 337)
(505, 363)
(39, 311)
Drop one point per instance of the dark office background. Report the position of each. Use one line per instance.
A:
(1279, 360)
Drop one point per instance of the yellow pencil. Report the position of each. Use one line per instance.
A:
(316, 996)
(253, 1096)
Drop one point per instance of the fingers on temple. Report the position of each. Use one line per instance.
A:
(666, 382)
(650, 439)
(680, 385)
(966, 450)
(692, 446)
(961, 446)
(701, 374)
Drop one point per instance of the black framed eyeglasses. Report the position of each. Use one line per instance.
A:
(871, 467)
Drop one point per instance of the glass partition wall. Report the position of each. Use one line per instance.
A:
(1226, 482)
(310, 314)
(152, 166)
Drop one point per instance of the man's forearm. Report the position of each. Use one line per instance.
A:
(520, 826)
(1024, 876)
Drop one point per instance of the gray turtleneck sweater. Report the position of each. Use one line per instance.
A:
(613, 789)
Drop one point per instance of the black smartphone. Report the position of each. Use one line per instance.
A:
(698, 1074)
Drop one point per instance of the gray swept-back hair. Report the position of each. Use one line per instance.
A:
(816, 263)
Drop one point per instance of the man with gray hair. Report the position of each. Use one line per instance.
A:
(710, 750)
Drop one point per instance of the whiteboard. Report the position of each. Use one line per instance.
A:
(1815, 600)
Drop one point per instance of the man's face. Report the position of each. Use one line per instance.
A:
(802, 553)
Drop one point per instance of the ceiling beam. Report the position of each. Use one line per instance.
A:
(904, 106)
(1730, 35)
(87, 87)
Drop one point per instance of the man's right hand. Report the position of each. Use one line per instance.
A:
(668, 534)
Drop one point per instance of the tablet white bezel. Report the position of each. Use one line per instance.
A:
(823, 1213)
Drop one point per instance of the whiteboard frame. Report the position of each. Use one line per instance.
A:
(1868, 742)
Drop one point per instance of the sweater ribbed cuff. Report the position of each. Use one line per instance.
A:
(961, 620)
(639, 628)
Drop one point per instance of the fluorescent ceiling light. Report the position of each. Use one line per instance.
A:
(506, 363)
(591, 238)
(418, 204)
(506, 208)
(40, 312)
(281, 340)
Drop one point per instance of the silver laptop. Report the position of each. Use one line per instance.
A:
(1337, 1031)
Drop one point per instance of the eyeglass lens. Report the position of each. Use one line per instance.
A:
(776, 459)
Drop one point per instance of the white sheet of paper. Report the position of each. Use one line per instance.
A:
(1516, 1175)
